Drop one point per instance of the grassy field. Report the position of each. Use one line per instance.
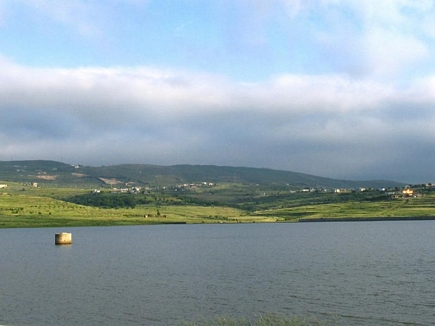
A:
(34, 211)
(410, 207)
(44, 207)
(24, 206)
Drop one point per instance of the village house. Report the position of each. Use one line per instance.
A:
(408, 192)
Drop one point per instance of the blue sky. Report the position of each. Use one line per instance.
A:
(336, 88)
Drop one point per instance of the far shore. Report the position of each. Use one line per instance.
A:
(101, 223)
(368, 219)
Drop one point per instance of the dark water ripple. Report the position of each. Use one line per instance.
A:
(360, 273)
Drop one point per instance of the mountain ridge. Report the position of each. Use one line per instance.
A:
(63, 174)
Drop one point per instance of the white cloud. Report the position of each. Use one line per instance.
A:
(389, 53)
(384, 39)
(327, 125)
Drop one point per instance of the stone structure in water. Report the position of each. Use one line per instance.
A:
(63, 238)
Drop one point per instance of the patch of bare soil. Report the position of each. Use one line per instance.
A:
(111, 181)
(78, 175)
(47, 177)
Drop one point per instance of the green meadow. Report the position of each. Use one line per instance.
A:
(46, 207)
(24, 206)
(409, 207)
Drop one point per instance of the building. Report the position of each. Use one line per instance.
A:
(408, 192)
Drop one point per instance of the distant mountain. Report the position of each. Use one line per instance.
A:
(61, 174)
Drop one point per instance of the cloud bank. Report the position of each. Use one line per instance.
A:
(329, 125)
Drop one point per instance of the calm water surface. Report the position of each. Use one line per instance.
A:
(355, 273)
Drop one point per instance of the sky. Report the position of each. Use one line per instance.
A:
(336, 88)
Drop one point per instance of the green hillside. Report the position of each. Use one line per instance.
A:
(60, 174)
(48, 193)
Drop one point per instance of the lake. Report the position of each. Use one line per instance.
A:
(348, 273)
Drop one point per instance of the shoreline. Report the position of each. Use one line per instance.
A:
(307, 220)
(368, 219)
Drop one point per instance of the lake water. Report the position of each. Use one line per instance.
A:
(350, 273)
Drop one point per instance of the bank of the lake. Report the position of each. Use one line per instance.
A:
(368, 219)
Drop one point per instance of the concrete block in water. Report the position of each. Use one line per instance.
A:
(63, 238)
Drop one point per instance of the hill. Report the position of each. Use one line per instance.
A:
(61, 174)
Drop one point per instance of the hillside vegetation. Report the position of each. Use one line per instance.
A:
(49, 193)
(60, 174)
